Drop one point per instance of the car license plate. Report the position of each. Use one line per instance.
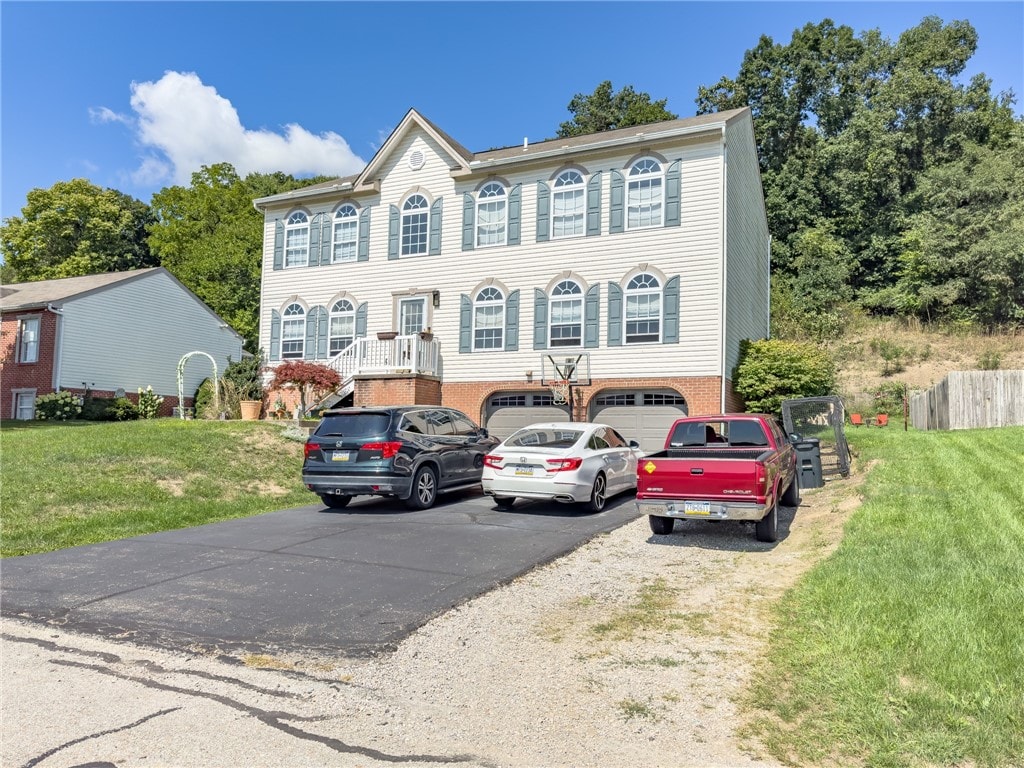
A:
(341, 456)
(696, 507)
(521, 470)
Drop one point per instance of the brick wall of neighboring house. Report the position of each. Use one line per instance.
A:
(23, 376)
(166, 407)
(397, 389)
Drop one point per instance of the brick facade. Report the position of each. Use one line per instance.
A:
(24, 376)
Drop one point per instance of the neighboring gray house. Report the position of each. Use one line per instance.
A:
(641, 251)
(112, 332)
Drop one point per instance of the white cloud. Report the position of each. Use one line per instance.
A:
(190, 125)
(105, 115)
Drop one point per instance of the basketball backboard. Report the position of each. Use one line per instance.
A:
(573, 367)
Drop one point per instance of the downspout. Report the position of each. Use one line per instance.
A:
(768, 276)
(725, 266)
(59, 346)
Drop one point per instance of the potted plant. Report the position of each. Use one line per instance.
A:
(426, 334)
(246, 377)
(386, 335)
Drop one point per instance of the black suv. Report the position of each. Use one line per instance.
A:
(412, 452)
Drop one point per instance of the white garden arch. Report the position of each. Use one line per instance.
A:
(181, 382)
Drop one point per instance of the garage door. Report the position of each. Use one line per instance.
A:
(641, 415)
(509, 411)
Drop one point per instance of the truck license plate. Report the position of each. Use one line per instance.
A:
(696, 507)
(341, 455)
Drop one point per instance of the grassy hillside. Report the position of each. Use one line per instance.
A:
(84, 482)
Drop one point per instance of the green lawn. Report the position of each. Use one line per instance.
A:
(84, 482)
(906, 647)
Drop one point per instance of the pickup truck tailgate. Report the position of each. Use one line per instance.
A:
(726, 478)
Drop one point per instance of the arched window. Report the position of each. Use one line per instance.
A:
(346, 234)
(643, 309)
(489, 319)
(491, 215)
(567, 205)
(343, 326)
(296, 240)
(566, 315)
(644, 206)
(415, 225)
(293, 332)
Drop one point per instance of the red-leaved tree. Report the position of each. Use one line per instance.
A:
(313, 380)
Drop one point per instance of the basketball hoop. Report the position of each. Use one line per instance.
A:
(559, 391)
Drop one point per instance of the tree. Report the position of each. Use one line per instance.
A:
(76, 228)
(313, 380)
(211, 238)
(604, 111)
(773, 370)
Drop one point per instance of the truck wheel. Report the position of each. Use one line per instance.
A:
(767, 528)
(424, 489)
(791, 498)
(504, 502)
(336, 502)
(661, 526)
(597, 494)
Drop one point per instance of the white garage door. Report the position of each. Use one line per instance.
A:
(509, 411)
(641, 415)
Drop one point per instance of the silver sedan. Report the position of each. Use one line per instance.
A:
(571, 462)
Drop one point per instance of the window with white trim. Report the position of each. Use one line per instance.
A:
(643, 309)
(415, 225)
(644, 195)
(28, 340)
(25, 404)
(293, 332)
(342, 326)
(491, 215)
(567, 205)
(296, 240)
(346, 234)
(566, 315)
(489, 319)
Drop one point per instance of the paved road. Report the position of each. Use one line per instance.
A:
(354, 581)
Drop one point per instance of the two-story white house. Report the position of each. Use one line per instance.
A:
(638, 257)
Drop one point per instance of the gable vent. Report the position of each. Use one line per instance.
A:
(416, 160)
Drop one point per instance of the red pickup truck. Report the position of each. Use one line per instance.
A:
(736, 466)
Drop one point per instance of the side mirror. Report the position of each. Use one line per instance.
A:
(483, 433)
(634, 444)
(794, 437)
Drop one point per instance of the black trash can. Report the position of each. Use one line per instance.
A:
(808, 462)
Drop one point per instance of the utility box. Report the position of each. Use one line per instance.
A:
(808, 462)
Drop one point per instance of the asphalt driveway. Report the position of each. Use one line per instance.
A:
(353, 581)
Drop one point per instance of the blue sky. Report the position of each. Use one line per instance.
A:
(138, 95)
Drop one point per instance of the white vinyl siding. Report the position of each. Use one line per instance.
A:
(132, 334)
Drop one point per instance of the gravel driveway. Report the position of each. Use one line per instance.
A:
(632, 650)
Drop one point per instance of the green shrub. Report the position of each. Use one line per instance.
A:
(58, 406)
(990, 360)
(773, 370)
(202, 401)
(888, 398)
(122, 409)
(247, 377)
(149, 403)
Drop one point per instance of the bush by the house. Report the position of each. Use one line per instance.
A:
(773, 370)
(58, 406)
(122, 409)
(247, 377)
(149, 403)
(312, 380)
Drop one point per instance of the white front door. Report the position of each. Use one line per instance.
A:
(412, 315)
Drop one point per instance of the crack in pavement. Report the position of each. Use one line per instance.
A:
(274, 719)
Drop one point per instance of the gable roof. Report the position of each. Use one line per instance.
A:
(467, 162)
(42, 292)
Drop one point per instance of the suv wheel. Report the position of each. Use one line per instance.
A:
(424, 489)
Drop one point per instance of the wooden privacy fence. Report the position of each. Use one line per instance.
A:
(969, 399)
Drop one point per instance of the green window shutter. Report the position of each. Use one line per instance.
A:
(592, 317)
(361, 321)
(672, 195)
(614, 315)
(326, 237)
(512, 322)
(313, 256)
(670, 311)
(435, 226)
(468, 222)
(278, 244)
(540, 319)
(275, 335)
(617, 211)
(309, 350)
(394, 225)
(594, 205)
(465, 324)
(363, 247)
(543, 212)
(318, 317)
(515, 215)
